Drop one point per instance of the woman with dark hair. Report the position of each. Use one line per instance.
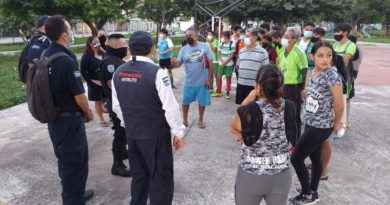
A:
(264, 125)
(324, 112)
(90, 68)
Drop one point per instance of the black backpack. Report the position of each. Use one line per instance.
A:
(39, 97)
(252, 122)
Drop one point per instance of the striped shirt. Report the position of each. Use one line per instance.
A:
(226, 50)
(249, 62)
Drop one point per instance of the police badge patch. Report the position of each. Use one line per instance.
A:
(167, 81)
(111, 68)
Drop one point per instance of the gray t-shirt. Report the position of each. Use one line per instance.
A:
(319, 103)
(269, 155)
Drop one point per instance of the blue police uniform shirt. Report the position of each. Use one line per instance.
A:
(164, 46)
(65, 79)
(38, 44)
(193, 59)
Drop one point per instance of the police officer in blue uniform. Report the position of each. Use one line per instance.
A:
(67, 131)
(39, 41)
(116, 50)
(143, 97)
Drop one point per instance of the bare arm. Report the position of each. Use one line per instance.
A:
(167, 51)
(82, 102)
(346, 58)
(337, 94)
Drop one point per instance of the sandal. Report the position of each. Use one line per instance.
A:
(185, 124)
(201, 125)
(103, 124)
(324, 178)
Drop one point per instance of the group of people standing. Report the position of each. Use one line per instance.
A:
(308, 72)
(275, 72)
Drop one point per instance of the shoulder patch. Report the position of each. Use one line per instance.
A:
(111, 68)
(167, 81)
(77, 74)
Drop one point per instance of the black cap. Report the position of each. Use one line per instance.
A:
(41, 21)
(141, 39)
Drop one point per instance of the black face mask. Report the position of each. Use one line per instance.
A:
(314, 39)
(190, 41)
(278, 45)
(338, 37)
(265, 45)
(119, 52)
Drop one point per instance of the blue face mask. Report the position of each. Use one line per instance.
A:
(71, 42)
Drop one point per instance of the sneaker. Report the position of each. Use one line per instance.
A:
(314, 193)
(216, 94)
(302, 199)
(348, 125)
(227, 95)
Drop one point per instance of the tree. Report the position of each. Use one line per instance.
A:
(152, 10)
(95, 13)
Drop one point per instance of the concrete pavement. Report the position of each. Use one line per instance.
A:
(205, 170)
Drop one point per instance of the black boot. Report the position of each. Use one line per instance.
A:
(119, 169)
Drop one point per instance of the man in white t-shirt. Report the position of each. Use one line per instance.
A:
(308, 28)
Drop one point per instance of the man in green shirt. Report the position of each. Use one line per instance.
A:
(212, 40)
(293, 63)
(347, 49)
(276, 40)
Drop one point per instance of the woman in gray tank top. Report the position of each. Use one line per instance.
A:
(259, 125)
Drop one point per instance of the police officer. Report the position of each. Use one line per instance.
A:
(116, 50)
(39, 41)
(67, 131)
(143, 96)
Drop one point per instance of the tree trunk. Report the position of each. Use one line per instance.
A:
(159, 24)
(91, 26)
(101, 22)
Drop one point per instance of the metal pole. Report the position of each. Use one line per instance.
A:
(163, 17)
(212, 23)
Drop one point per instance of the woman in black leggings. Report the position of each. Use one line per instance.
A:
(324, 111)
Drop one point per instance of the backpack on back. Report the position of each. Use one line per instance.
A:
(39, 98)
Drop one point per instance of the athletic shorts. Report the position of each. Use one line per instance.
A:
(216, 67)
(242, 92)
(227, 70)
(200, 94)
(165, 63)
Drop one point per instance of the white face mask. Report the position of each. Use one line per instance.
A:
(161, 36)
(209, 37)
(247, 41)
(242, 37)
(307, 34)
(71, 42)
(284, 42)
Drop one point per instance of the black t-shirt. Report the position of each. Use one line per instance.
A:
(108, 67)
(90, 67)
(65, 79)
(38, 44)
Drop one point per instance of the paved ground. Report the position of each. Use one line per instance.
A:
(205, 170)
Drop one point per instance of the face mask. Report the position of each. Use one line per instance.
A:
(119, 52)
(96, 45)
(190, 41)
(338, 37)
(161, 36)
(307, 34)
(209, 37)
(284, 42)
(242, 37)
(314, 39)
(247, 41)
(71, 42)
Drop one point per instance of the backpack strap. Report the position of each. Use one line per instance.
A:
(53, 57)
(289, 121)
(230, 45)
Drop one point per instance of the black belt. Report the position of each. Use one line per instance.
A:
(70, 114)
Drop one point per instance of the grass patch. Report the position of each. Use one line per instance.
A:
(12, 91)
(12, 47)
